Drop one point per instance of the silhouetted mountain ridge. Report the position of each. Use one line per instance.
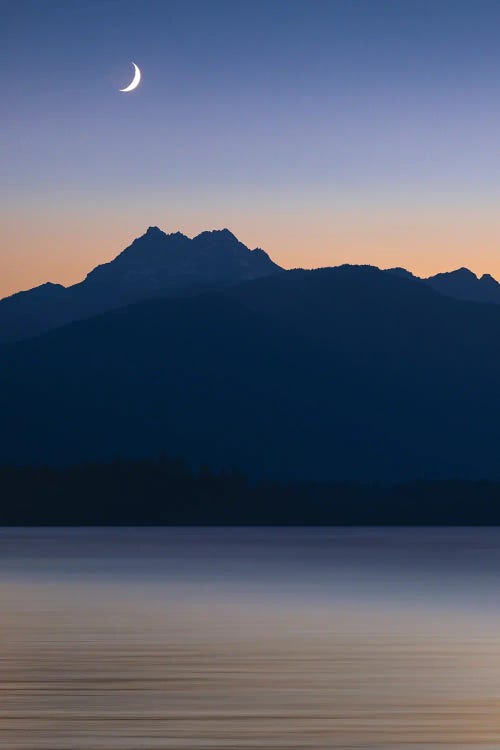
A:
(159, 264)
(459, 284)
(154, 264)
(463, 284)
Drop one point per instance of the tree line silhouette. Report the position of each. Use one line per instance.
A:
(170, 492)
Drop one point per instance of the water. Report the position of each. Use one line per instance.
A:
(140, 639)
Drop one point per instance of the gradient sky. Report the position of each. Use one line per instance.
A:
(361, 131)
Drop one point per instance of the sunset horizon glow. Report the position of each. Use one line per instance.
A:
(325, 133)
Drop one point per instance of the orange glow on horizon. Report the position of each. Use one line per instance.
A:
(65, 251)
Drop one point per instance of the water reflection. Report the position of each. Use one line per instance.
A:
(143, 639)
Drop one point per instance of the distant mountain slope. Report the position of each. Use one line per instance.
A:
(463, 284)
(154, 264)
(346, 373)
(459, 284)
(37, 309)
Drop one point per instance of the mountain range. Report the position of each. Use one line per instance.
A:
(346, 373)
(159, 264)
(155, 264)
(460, 284)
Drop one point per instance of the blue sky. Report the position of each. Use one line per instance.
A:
(326, 132)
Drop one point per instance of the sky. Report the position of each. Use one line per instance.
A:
(324, 131)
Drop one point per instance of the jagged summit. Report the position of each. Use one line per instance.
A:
(222, 234)
(212, 254)
(154, 264)
(487, 278)
(458, 273)
(464, 284)
(155, 233)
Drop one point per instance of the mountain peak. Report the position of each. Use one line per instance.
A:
(224, 233)
(459, 273)
(217, 235)
(152, 233)
(155, 264)
(464, 284)
(488, 279)
(156, 234)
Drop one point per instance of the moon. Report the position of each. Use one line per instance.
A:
(135, 80)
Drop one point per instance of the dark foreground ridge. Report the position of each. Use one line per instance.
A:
(168, 493)
(345, 374)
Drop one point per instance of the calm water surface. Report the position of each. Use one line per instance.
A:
(140, 639)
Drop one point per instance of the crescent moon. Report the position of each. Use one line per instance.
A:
(135, 80)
